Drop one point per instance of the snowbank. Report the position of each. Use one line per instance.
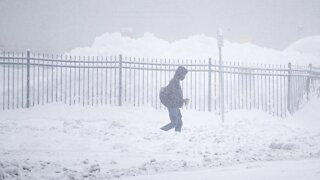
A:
(193, 47)
(308, 116)
(61, 142)
(308, 45)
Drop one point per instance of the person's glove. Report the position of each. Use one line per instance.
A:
(186, 101)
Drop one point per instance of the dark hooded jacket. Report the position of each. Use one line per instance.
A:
(175, 96)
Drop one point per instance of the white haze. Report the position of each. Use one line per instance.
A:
(57, 26)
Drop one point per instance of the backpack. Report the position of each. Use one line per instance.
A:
(164, 96)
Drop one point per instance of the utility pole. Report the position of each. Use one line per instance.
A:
(220, 45)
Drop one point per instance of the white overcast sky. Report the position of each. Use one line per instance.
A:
(57, 26)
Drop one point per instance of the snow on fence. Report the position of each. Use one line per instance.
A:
(35, 79)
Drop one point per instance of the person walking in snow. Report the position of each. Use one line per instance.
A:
(171, 96)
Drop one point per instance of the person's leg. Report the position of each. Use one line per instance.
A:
(179, 121)
(172, 123)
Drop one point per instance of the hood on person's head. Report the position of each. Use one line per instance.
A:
(181, 73)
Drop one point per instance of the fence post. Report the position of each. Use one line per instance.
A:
(289, 89)
(309, 82)
(209, 85)
(28, 78)
(221, 86)
(120, 80)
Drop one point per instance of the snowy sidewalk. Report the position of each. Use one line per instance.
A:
(279, 170)
(63, 142)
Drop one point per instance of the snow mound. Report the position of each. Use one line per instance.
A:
(58, 141)
(193, 47)
(310, 45)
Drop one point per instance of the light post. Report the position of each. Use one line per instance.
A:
(220, 45)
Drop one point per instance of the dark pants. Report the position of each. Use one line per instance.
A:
(175, 118)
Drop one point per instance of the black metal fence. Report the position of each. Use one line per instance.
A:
(36, 79)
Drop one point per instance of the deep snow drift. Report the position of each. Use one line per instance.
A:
(62, 142)
(193, 47)
(308, 45)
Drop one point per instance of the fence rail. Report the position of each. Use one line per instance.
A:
(35, 79)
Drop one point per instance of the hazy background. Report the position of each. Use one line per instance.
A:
(57, 26)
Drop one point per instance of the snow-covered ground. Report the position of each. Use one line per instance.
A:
(73, 142)
(279, 170)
